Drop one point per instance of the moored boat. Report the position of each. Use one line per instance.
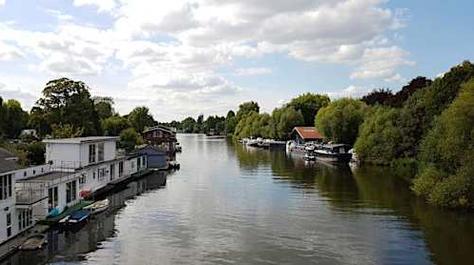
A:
(78, 217)
(98, 206)
(34, 242)
(338, 153)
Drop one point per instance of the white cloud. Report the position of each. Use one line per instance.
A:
(172, 51)
(351, 91)
(2, 2)
(101, 5)
(381, 62)
(9, 52)
(252, 71)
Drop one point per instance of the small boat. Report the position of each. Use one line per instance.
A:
(34, 242)
(98, 206)
(78, 216)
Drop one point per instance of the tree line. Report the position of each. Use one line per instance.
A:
(67, 109)
(426, 129)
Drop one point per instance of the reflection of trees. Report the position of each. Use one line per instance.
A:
(448, 235)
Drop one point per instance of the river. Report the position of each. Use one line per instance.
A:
(233, 205)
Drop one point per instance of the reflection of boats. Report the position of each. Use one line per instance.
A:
(34, 242)
(78, 217)
(98, 206)
(333, 152)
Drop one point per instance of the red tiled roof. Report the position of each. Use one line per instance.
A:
(308, 133)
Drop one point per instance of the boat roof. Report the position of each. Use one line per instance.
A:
(47, 176)
(79, 140)
(8, 161)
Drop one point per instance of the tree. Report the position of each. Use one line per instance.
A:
(66, 131)
(247, 107)
(112, 126)
(341, 119)
(15, 119)
(379, 136)
(140, 118)
(416, 84)
(104, 107)
(188, 125)
(422, 108)
(284, 120)
(447, 178)
(230, 122)
(129, 138)
(378, 97)
(66, 102)
(254, 125)
(309, 104)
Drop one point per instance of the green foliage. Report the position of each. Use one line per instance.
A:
(35, 153)
(112, 126)
(13, 119)
(245, 108)
(188, 125)
(309, 104)
(230, 123)
(379, 136)
(284, 120)
(254, 125)
(140, 118)
(129, 138)
(341, 119)
(66, 102)
(66, 131)
(448, 153)
(214, 125)
(104, 107)
(421, 109)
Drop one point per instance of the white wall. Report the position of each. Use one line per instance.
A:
(63, 155)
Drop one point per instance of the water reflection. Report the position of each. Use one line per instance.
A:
(407, 230)
(234, 205)
(72, 245)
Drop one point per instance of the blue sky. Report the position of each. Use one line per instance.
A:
(205, 56)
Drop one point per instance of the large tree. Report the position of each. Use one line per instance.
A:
(104, 107)
(379, 136)
(309, 104)
(230, 122)
(447, 177)
(112, 126)
(247, 107)
(140, 118)
(284, 120)
(14, 118)
(66, 102)
(341, 119)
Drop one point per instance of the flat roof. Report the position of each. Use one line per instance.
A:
(48, 176)
(79, 140)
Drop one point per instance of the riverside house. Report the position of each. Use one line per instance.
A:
(75, 168)
(162, 137)
(302, 135)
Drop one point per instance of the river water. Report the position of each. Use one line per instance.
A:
(233, 205)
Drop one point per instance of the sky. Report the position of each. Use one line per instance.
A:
(186, 57)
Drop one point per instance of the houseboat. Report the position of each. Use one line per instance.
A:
(336, 153)
(301, 137)
(76, 168)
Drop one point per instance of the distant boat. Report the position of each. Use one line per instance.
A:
(98, 206)
(78, 217)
